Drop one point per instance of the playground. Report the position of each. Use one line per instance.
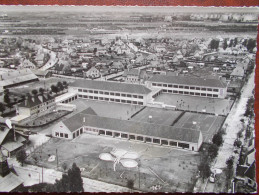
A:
(151, 168)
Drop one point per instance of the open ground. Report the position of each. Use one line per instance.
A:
(197, 104)
(173, 169)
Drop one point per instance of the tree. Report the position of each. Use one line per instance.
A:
(65, 84)
(130, 184)
(2, 107)
(217, 139)
(41, 90)
(60, 86)
(34, 92)
(225, 44)
(7, 98)
(75, 179)
(6, 91)
(214, 44)
(21, 156)
(64, 166)
(54, 88)
(251, 45)
(204, 169)
(213, 151)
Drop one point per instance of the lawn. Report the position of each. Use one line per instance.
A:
(173, 169)
(200, 104)
(159, 116)
(207, 124)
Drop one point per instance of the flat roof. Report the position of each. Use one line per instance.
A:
(9, 182)
(186, 80)
(111, 86)
(134, 127)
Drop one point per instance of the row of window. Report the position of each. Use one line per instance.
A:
(190, 93)
(42, 104)
(77, 133)
(65, 135)
(147, 139)
(184, 87)
(110, 93)
(110, 99)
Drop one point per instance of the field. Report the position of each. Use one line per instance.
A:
(172, 169)
(159, 116)
(207, 124)
(199, 104)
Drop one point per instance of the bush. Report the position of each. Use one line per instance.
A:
(218, 139)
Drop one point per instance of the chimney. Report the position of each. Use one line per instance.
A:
(84, 119)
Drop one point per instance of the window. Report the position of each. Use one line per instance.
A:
(128, 101)
(148, 139)
(91, 97)
(203, 94)
(215, 95)
(216, 90)
(80, 96)
(128, 95)
(80, 90)
(140, 97)
(100, 98)
(135, 102)
(117, 94)
(140, 138)
(209, 89)
(117, 100)
(174, 91)
(96, 92)
(109, 133)
(169, 85)
(111, 93)
(66, 135)
(172, 143)
(197, 94)
(57, 134)
(164, 90)
(90, 91)
(135, 96)
(209, 95)
(61, 135)
(186, 87)
(106, 99)
(100, 92)
(198, 88)
(192, 87)
(123, 95)
(164, 142)
(106, 93)
(180, 92)
(156, 141)
(95, 97)
(74, 135)
(180, 86)
(123, 101)
(175, 86)
(123, 135)
(102, 132)
(132, 136)
(81, 130)
(164, 85)
(183, 145)
(186, 92)
(153, 84)
(116, 134)
(169, 91)
(77, 133)
(85, 90)
(203, 89)
(158, 84)
(140, 103)
(112, 100)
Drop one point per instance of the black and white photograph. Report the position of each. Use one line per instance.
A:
(127, 99)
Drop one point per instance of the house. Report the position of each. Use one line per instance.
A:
(124, 93)
(92, 72)
(27, 64)
(212, 88)
(136, 76)
(42, 73)
(128, 130)
(11, 141)
(34, 106)
(9, 182)
(237, 73)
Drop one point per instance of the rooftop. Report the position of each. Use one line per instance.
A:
(34, 101)
(188, 81)
(111, 86)
(154, 130)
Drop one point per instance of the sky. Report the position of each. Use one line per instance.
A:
(144, 9)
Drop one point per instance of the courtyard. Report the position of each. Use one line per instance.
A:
(196, 104)
(170, 169)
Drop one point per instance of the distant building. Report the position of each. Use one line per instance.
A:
(93, 72)
(136, 76)
(111, 91)
(42, 73)
(16, 77)
(212, 88)
(128, 130)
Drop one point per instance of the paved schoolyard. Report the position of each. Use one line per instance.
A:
(207, 124)
(173, 169)
(159, 116)
(200, 104)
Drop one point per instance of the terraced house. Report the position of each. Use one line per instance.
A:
(111, 92)
(211, 88)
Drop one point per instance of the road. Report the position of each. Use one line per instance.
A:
(33, 175)
(234, 125)
(52, 60)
